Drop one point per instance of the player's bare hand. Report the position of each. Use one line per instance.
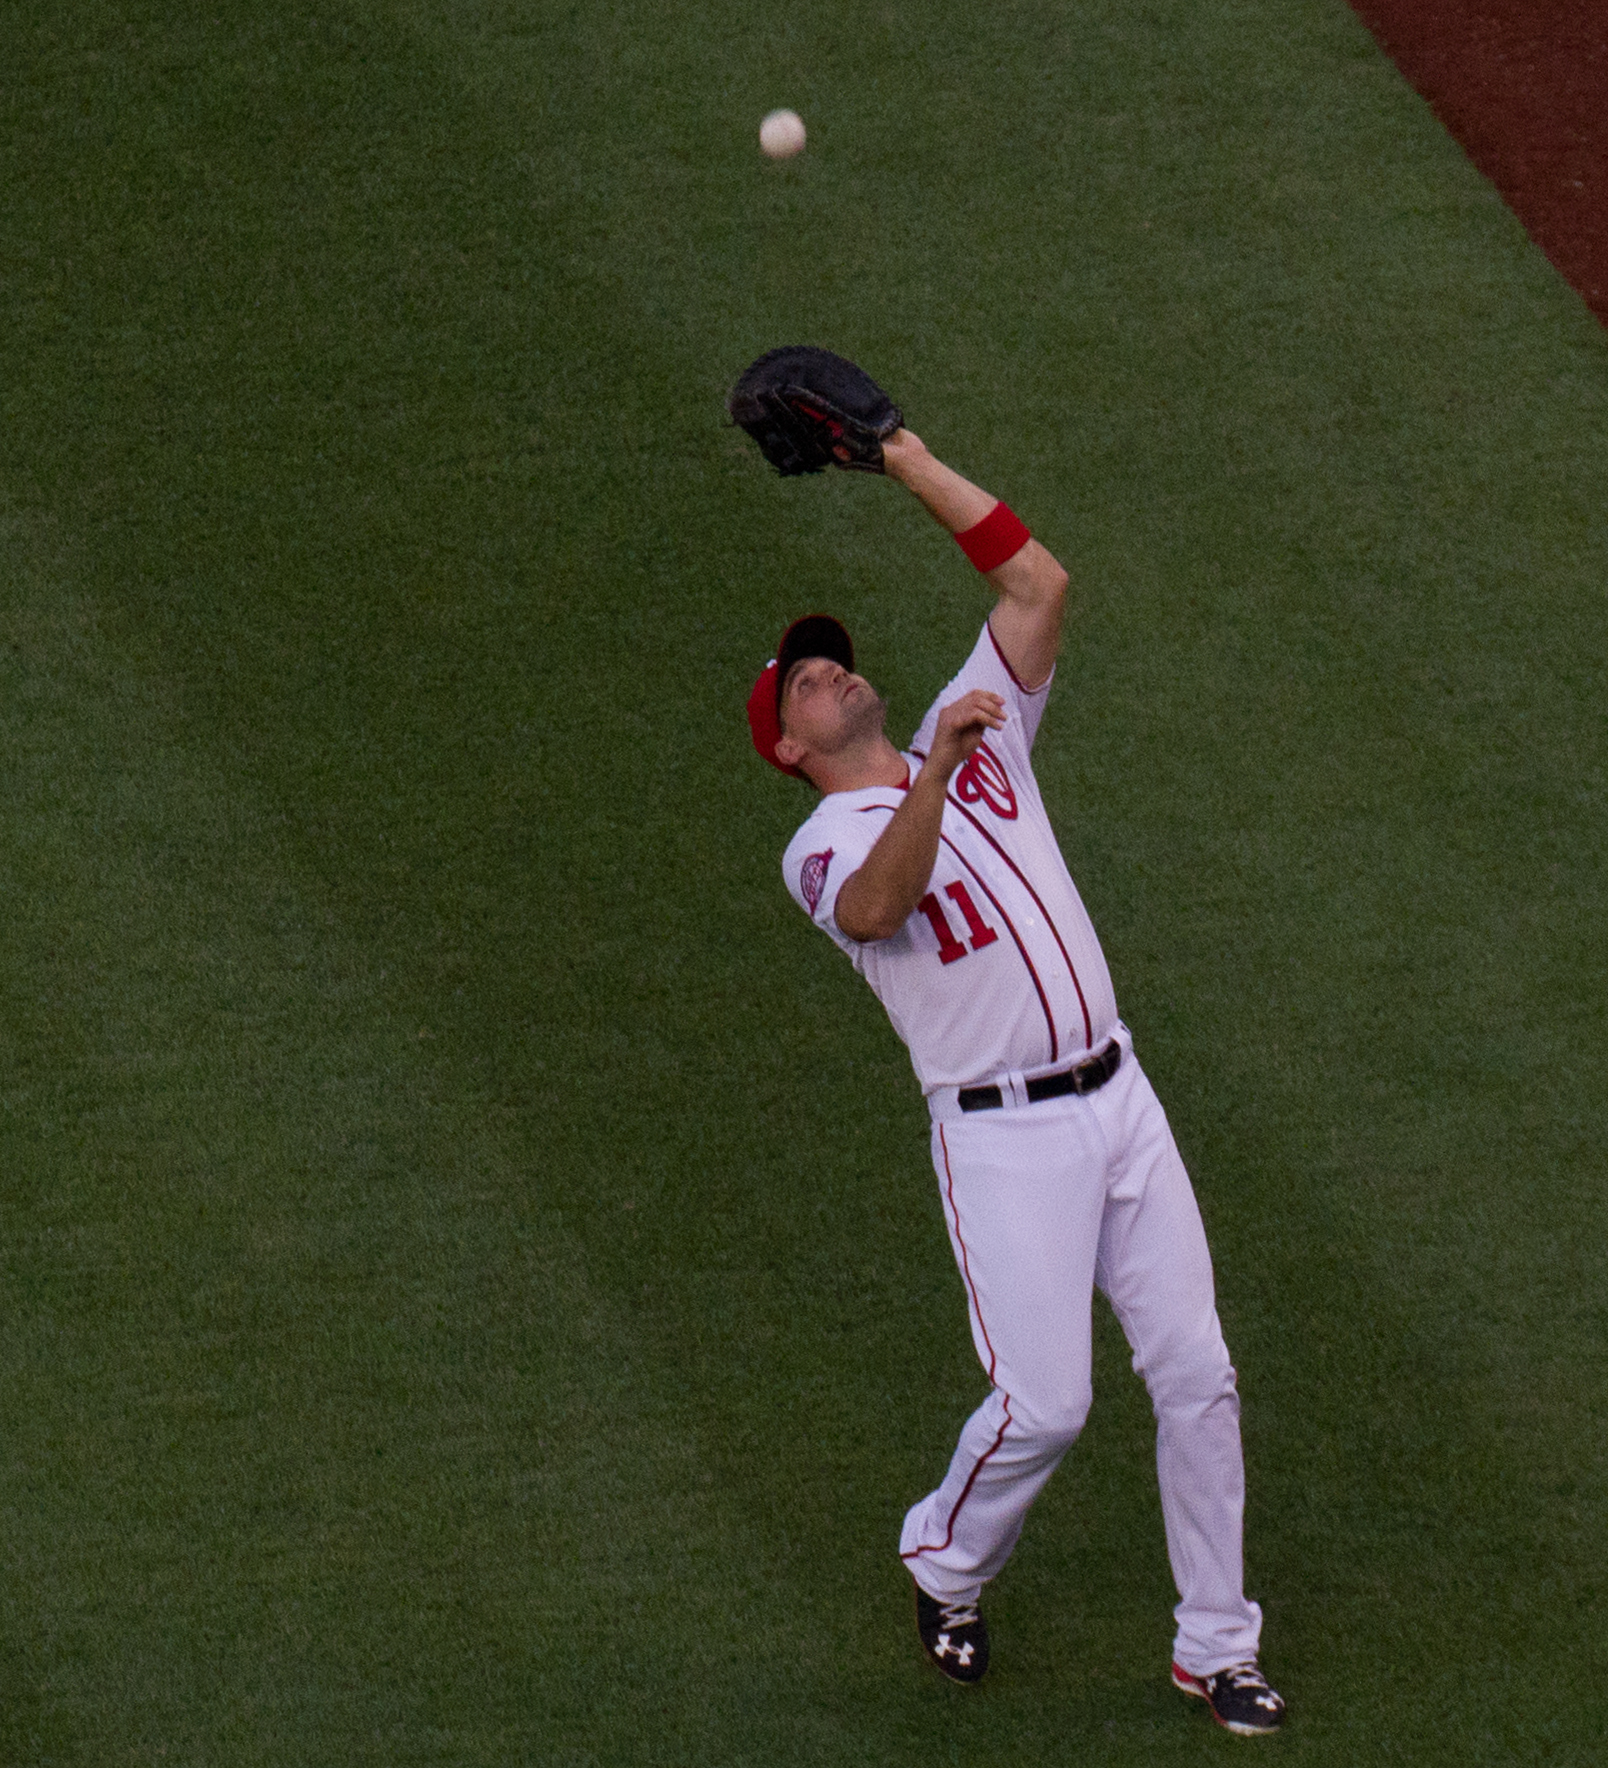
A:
(962, 725)
(900, 449)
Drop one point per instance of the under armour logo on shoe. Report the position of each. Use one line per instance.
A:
(953, 1635)
(1239, 1696)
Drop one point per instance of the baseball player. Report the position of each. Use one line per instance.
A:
(935, 869)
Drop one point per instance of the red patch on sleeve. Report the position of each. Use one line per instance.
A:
(812, 878)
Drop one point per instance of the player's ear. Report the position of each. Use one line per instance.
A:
(790, 751)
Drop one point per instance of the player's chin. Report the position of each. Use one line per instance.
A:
(864, 709)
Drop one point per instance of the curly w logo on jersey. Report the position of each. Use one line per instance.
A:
(812, 878)
(984, 780)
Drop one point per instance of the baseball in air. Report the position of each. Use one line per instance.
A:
(781, 135)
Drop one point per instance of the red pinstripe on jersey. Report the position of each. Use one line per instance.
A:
(1071, 970)
(1038, 987)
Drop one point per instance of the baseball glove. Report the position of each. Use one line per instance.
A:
(809, 410)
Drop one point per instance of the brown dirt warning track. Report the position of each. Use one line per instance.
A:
(1523, 85)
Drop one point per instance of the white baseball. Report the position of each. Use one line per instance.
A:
(781, 135)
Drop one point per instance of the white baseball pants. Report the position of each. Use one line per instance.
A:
(1044, 1203)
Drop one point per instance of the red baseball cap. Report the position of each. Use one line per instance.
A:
(816, 635)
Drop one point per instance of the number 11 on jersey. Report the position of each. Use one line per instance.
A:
(950, 948)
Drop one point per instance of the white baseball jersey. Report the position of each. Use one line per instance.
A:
(998, 969)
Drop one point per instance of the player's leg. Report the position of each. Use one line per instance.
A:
(1023, 1196)
(1155, 1268)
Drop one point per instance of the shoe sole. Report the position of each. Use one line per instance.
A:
(947, 1674)
(1196, 1690)
(956, 1681)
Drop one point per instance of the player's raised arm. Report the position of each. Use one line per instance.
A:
(1031, 584)
(882, 895)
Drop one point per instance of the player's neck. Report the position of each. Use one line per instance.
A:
(876, 763)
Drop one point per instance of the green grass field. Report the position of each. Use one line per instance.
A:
(474, 1292)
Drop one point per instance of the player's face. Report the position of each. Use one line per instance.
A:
(827, 709)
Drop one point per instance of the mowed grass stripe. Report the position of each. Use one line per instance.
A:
(366, 1384)
(303, 1387)
(379, 438)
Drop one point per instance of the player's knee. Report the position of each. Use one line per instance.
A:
(1191, 1376)
(1055, 1420)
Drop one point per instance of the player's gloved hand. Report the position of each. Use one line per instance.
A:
(809, 410)
(962, 725)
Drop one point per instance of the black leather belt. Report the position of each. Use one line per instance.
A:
(1087, 1076)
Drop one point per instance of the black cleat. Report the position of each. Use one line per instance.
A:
(1239, 1697)
(954, 1635)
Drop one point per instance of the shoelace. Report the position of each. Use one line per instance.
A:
(1242, 1676)
(958, 1614)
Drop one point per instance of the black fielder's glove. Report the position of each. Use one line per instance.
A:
(809, 410)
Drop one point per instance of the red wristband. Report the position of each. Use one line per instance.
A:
(1000, 535)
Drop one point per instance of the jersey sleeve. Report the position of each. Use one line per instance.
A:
(986, 668)
(829, 849)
